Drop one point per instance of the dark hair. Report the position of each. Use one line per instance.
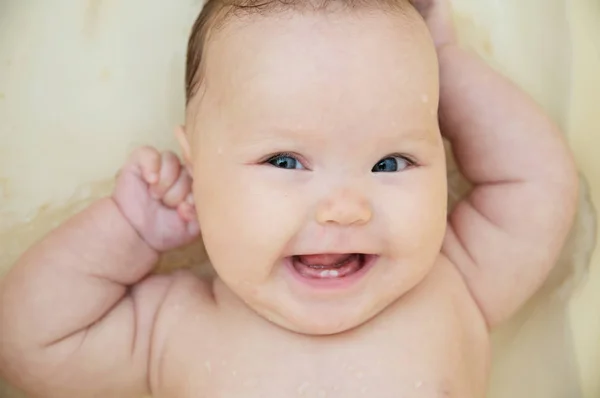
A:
(216, 12)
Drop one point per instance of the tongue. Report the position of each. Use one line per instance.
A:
(324, 260)
(327, 266)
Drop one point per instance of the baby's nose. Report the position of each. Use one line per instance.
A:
(344, 207)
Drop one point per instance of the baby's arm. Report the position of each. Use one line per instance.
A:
(507, 234)
(75, 319)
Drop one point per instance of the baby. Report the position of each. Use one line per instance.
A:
(314, 154)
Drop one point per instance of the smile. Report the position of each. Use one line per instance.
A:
(324, 266)
(331, 270)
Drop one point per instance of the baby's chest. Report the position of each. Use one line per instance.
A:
(426, 357)
(353, 371)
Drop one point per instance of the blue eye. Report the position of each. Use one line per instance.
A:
(285, 162)
(392, 164)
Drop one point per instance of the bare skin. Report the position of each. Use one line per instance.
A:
(80, 314)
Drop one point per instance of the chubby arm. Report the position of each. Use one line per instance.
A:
(77, 311)
(69, 320)
(507, 234)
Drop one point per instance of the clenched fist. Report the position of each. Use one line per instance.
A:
(153, 191)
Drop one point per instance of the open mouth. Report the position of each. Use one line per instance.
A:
(330, 266)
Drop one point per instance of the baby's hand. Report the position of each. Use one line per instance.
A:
(154, 192)
(438, 16)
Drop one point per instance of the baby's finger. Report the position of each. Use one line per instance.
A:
(193, 228)
(178, 192)
(146, 163)
(423, 6)
(169, 173)
(438, 16)
(187, 210)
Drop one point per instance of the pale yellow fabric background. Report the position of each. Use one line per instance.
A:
(83, 82)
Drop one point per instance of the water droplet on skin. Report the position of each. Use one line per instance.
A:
(251, 383)
(220, 151)
(302, 388)
(418, 384)
(208, 367)
(424, 98)
(234, 373)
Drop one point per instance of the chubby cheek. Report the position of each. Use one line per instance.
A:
(417, 222)
(245, 224)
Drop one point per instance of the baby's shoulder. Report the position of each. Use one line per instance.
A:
(443, 294)
(188, 291)
(187, 296)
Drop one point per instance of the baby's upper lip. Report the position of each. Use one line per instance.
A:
(334, 252)
(350, 245)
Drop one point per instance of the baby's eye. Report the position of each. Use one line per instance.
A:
(392, 164)
(285, 161)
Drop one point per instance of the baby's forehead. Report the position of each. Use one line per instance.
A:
(218, 16)
(301, 68)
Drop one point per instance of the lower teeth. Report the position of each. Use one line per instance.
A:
(330, 274)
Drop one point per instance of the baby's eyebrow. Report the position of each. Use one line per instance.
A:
(288, 133)
(429, 136)
(260, 131)
(390, 138)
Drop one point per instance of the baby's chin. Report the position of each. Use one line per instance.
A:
(321, 319)
(337, 294)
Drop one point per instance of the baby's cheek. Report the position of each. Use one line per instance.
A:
(418, 219)
(258, 229)
(270, 223)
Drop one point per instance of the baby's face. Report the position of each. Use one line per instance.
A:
(319, 170)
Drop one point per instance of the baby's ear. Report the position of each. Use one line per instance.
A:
(184, 143)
